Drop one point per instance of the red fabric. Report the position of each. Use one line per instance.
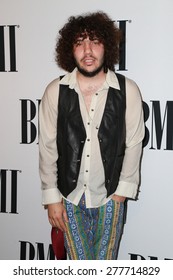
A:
(57, 237)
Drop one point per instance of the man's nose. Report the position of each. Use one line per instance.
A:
(87, 46)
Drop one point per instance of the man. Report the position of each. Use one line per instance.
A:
(91, 132)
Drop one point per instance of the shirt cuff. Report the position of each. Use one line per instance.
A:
(127, 189)
(50, 196)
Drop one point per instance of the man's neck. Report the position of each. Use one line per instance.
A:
(90, 85)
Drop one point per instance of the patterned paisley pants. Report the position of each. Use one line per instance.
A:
(93, 233)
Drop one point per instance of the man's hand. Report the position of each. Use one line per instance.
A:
(57, 215)
(118, 198)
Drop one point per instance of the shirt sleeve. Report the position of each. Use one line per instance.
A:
(129, 177)
(48, 154)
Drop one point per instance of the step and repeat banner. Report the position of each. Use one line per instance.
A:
(28, 32)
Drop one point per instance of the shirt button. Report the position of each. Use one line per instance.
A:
(88, 155)
(88, 140)
(86, 170)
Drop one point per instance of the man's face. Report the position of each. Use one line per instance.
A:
(89, 56)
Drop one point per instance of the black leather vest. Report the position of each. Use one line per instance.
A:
(71, 137)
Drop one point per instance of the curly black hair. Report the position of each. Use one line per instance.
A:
(98, 25)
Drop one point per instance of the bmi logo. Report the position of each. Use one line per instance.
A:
(8, 48)
(8, 191)
(122, 27)
(157, 116)
(29, 120)
(140, 257)
(160, 132)
(37, 251)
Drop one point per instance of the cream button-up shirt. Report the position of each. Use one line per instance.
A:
(91, 180)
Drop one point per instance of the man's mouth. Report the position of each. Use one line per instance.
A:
(88, 60)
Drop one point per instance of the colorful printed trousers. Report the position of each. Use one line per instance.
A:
(93, 233)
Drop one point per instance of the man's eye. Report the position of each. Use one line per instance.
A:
(96, 41)
(78, 43)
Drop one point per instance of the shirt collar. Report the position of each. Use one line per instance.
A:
(70, 79)
(111, 80)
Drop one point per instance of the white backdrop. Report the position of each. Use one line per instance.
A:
(25, 231)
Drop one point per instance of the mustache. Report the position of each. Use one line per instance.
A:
(88, 56)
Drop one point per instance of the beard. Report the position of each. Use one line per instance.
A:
(89, 73)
